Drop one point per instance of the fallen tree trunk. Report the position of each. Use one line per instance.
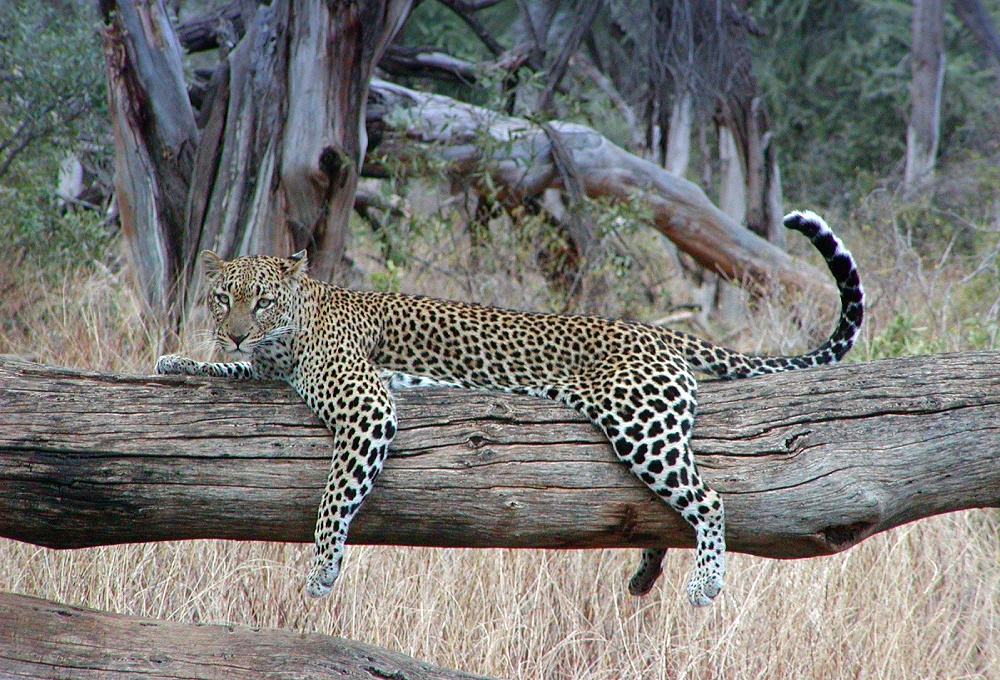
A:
(518, 156)
(58, 641)
(809, 463)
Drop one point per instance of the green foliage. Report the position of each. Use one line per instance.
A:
(387, 281)
(836, 75)
(31, 219)
(905, 336)
(902, 337)
(51, 102)
(52, 73)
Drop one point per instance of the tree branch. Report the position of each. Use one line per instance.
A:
(809, 463)
(59, 641)
(584, 15)
(429, 62)
(466, 12)
(518, 155)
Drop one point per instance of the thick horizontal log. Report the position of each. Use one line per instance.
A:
(809, 463)
(48, 640)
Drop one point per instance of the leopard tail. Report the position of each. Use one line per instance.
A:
(728, 364)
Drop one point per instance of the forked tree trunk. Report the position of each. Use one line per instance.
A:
(275, 167)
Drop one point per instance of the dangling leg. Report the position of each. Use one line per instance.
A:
(649, 423)
(649, 569)
(362, 418)
(675, 479)
(704, 511)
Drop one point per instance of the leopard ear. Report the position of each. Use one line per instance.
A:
(298, 264)
(211, 264)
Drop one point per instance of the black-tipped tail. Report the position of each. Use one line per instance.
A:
(845, 271)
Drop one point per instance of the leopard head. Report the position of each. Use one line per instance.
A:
(252, 298)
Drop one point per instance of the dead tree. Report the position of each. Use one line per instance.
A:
(273, 165)
(518, 156)
(809, 463)
(59, 641)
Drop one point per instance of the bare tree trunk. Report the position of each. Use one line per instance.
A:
(927, 62)
(61, 642)
(715, 296)
(155, 142)
(733, 184)
(275, 167)
(809, 463)
(679, 135)
(773, 200)
(764, 206)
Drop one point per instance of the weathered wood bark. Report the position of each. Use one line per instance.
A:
(155, 141)
(809, 463)
(518, 155)
(927, 63)
(46, 640)
(274, 166)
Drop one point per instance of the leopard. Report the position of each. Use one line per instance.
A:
(346, 351)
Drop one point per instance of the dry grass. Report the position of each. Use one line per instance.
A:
(922, 601)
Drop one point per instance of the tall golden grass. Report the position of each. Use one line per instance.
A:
(921, 601)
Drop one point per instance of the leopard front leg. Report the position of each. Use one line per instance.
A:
(357, 408)
(173, 364)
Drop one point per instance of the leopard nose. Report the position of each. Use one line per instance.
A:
(237, 339)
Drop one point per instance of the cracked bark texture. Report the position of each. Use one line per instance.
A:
(809, 463)
(272, 164)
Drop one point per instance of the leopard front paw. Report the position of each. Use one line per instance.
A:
(321, 577)
(706, 581)
(174, 364)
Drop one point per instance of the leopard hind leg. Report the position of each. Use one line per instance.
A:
(649, 569)
(648, 421)
(682, 488)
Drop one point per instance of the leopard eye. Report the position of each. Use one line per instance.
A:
(263, 303)
(222, 299)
